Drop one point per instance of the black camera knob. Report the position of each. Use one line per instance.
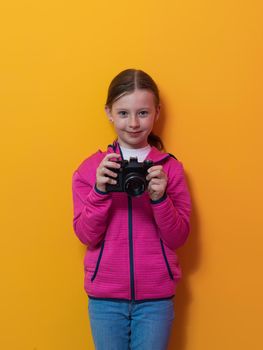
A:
(148, 162)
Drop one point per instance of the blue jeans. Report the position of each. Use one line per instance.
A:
(120, 325)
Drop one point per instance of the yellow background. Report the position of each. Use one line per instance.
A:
(57, 60)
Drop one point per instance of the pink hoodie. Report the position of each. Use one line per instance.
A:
(131, 240)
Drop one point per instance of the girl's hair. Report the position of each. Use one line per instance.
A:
(126, 82)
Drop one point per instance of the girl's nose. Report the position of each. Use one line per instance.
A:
(134, 122)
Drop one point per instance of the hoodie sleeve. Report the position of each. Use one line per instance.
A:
(91, 209)
(172, 211)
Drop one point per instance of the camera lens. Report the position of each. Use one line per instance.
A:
(134, 184)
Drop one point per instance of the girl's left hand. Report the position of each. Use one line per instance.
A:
(157, 182)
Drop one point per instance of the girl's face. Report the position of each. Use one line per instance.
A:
(133, 116)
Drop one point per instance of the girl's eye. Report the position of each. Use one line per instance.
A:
(143, 113)
(122, 113)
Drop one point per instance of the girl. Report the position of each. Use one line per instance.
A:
(131, 268)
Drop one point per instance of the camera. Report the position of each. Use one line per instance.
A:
(131, 177)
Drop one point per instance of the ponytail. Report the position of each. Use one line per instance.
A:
(155, 140)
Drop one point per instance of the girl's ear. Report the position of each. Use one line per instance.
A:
(158, 110)
(108, 113)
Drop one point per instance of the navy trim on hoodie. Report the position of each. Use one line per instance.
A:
(128, 300)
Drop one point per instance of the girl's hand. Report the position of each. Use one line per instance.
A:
(103, 173)
(157, 182)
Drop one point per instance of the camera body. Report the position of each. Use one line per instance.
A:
(131, 177)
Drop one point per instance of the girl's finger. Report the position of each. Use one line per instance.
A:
(110, 164)
(107, 180)
(156, 174)
(111, 155)
(103, 171)
(156, 181)
(156, 188)
(108, 157)
(154, 167)
(109, 173)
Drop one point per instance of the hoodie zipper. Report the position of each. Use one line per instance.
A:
(114, 146)
(130, 230)
(131, 247)
(130, 238)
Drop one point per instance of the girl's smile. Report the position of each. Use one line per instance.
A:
(134, 133)
(133, 116)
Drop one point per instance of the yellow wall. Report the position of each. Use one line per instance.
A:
(57, 59)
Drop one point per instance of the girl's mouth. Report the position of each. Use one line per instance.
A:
(134, 133)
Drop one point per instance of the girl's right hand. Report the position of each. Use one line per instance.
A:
(103, 173)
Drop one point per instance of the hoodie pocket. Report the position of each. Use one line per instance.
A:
(166, 261)
(98, 262)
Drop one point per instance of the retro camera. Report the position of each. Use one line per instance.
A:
(131, 177)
